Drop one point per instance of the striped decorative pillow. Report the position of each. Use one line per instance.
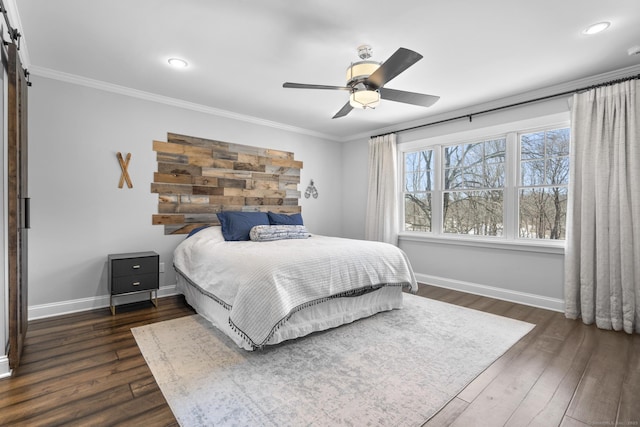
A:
(266, 233)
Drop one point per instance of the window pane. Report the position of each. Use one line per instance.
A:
(473, 176)
(494, 175)
(473, 212)
(543, 213)
(453, 156)
(557, 170)
(410, 161)
(417, 212)
(478, 165)
(558, 142)
(419, 181)
(532, 173)
(473, 154)
(532, 146)
(454, 178)
(495, 150)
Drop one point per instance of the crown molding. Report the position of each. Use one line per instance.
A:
(174, 102)
(471, 110)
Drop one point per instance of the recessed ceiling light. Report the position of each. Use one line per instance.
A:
(177, 62)
(596, 28)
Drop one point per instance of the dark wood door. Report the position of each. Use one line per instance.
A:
(17, 204)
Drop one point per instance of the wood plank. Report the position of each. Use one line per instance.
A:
(167, 219)
(629, 409)
(248, 167)
(188, 150)
(205, 190)
(192, 140)
(286, 163)
(194, 198)
(164, 208)
(598, 394)
(276, 154)
(549, 398)
(171, 188)
(264, 201)
(172, 178)
(227, 201)
(172, 158)
(226, 173)
(123, 411)
(179, 169)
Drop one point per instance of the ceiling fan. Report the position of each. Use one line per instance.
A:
(366, 80)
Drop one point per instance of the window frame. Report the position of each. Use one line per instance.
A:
(510, 238)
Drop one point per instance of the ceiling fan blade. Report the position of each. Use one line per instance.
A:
(408, 97)
(397, 63)
(343, 111)
(306, 86)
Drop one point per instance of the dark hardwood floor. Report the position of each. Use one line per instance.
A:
(85, 369)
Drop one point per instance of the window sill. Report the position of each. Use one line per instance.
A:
(484, 242)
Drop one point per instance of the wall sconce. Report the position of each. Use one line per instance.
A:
(311, 191)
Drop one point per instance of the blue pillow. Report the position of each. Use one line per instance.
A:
(283, 219)
(237, 225)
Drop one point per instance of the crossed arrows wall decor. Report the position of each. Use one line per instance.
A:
(124, 163)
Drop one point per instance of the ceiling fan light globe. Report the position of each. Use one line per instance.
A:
(364, 99)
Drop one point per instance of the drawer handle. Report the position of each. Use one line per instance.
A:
(135, 267)
(136, 283)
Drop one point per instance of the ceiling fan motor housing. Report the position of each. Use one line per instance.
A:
(359, 71)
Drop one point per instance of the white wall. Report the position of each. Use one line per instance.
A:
(79, 215)
(527, 276)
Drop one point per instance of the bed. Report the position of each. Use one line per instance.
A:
(266, 291)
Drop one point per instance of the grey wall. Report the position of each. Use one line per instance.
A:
(79, 215)
(532, 276)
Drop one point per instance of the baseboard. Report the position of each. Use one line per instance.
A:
(5, 371)
(42, 311)
(533, 300)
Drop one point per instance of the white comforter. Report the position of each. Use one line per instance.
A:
(263, 283)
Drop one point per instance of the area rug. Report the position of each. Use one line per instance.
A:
(396, 368)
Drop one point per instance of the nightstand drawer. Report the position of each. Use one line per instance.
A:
(129, 266)
(139, 282)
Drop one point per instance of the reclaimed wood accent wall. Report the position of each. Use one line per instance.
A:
(199, 177)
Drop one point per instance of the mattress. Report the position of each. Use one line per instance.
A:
(262, 285)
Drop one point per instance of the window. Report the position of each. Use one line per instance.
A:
(473, 195)
(544, 175)
(512, 185)
(418, 184)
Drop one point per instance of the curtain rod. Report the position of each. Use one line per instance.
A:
(517, 104)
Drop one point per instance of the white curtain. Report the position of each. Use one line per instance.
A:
(602, 261)
(381, 222)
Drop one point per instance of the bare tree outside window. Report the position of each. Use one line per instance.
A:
(544, 176)
(469, 186)
(474, 178)
(418, 185)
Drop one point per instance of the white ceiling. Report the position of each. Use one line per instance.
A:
(241, 51)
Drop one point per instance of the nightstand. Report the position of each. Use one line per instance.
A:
(133, 273)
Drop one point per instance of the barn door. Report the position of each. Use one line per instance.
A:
(17, 204)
